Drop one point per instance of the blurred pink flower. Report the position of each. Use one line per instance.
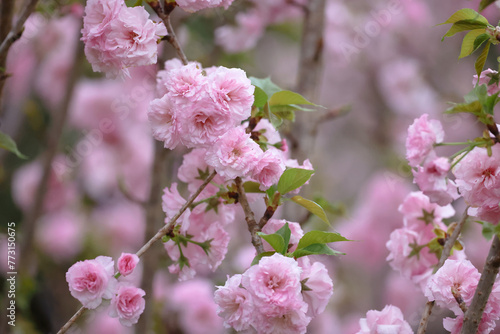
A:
(389, 320)
(235, 304)
(164, 123)
(196, 5)
(319, 286)
(432, 180)
(485, 78)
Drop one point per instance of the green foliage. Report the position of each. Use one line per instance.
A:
(489, 230)
(279, 241)
(252, 187)
(466, 14)
(312, 207)
(319, 237)
(269, 87)
(481, 60)
(293, 178)
(485, 3)
(316, 249)
(286, 97)
(472, 41)
(478, 103)
(6, 142)
(260, 256)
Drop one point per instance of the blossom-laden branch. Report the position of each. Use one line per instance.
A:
(450, 242)
(472, 317)
(165, 230)
(249, 216)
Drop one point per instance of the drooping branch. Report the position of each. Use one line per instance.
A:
(249, 216)
(472, 317)
(450, 242)
(165, 230)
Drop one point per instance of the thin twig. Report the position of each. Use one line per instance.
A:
(165, 230)
(450, 242)
(249, 216)
(472, 317)
(8, 38)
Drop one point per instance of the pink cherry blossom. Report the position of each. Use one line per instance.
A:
(91, 280)
(189, 172)
(234, 154)
(231, 91)
(485, 78)
(242, 37)
(319, 285)
(268, 169)
(127, 263)
(183, 84)
(431, 179)
(117, 37)
(235, 304)
(478, 177)
(389, 320)
(274, 225)
(416, 207)
(292, 321)
(164, 121)
(454, 325)
(275, 284)
(454, 274)
(422, 135)
(127, 304)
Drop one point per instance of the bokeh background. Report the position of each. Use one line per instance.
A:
(383, 64)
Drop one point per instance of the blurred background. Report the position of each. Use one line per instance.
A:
(84, 189)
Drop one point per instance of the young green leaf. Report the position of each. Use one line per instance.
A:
(485, 3)
(468, 44)
(320, 237)
(269, 87)
(312, 207)
(252, 187)
(260, 256)
(275, 240)
(315, 249)
(9, 144)
(286, 97)
(466, 14)
(285, 232)
(293, 178)
(260, 97)
(482, 59)
(489, 230)
(463, 26)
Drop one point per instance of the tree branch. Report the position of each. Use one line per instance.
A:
(165, 230)
(249, 216)
(450, 242)
(472, 317)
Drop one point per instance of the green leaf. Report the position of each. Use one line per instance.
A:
(480, 40)
(489, 230)
(9, 144)
(466, 14)
(463, 26)
(472, 108)
(260, 256)
(482, 59)
(468, 44)
(270, 192)
(320, 237)
(275, 240)
(485, 3)
(252, 187)
(284, 113)
(315, 249)
(260, 97)
(312, 207)
(337, 209)
(285, 232)
(269, 87)
(293, 178)
(286, 97)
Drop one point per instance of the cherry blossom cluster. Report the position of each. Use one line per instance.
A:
(91, 281)
(410, 248)
(431, 171)
(117, 37)
(204, 108)
(453, 287)
(389, 320)
(490, 78)
(278, 295)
